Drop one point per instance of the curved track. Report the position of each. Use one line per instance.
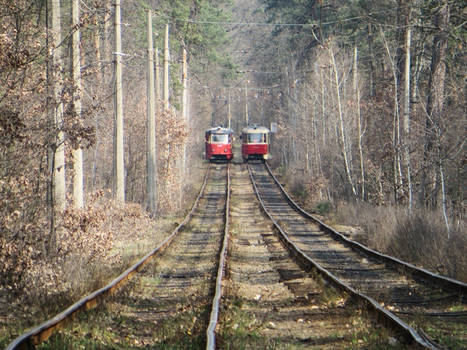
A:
(433, 305)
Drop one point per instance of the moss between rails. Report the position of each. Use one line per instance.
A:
(98, 330)
(241, 331)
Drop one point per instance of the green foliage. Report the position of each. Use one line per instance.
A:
(323, 208)
(195, 25)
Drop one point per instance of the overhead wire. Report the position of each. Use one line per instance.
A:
(278, 24)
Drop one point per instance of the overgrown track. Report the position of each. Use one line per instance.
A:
(272, 303)
(170, 299)
(404, 295)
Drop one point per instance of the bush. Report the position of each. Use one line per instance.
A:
(323, 208)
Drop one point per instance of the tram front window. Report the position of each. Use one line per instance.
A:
(220, 138)
(256, 137)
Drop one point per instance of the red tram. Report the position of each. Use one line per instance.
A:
(255, 142)
(218, 142)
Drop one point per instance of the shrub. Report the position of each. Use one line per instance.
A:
(323, 208)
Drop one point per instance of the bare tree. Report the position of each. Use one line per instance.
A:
(434, 112)
(58, 169)
(78, 193)
(343, 142)
(359, 122)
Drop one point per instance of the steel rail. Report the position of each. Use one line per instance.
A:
(42, 332)
(307, 262)
(448, 283)
(211, 330)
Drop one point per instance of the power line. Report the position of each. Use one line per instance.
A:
(279, 24)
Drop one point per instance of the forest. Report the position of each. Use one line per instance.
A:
(369, 98)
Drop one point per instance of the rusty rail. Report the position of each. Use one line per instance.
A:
(382, 313)
(448, 283)
(42, 332)
(211, 330)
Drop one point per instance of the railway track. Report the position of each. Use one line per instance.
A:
(181, 299)
(270, 302)
(428, 309)
(168, 302)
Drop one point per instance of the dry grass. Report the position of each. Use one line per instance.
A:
(420, 238)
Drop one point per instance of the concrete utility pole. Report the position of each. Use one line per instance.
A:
(78, 192)
(151, 127)
(166, 68)
(119, 170)
(158, 80)
(229, 117)
(246, 104)
(184, 104)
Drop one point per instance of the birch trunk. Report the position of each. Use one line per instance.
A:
(397, 172)
(359, 120)
(406, 118)
(341, 123)
(59, 185)
(78, 192)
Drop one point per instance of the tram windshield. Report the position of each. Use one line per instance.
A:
(256, 137)
(220, 138)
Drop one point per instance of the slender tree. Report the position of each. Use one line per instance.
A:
(343, 142)
(406, 113)
(359, 123)
(78, 192)
(59, 185)
(435, 107)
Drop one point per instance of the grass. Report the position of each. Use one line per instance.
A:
(98, 329)
(419, 237)
(241, 331)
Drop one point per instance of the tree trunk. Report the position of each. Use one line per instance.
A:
(59, 184)
(341, 123)
(372, 68)
(78, 192)
(359, 120)
(396, 140)
(107, 34)
(430, 180)
(406, 115)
